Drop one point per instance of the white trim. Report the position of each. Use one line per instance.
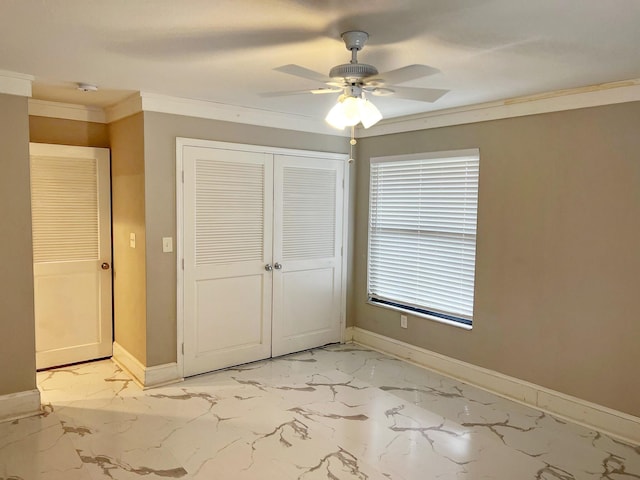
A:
(232, 113)
(150, 102)
(182, 142)
(555, 101)
(145, 377)
(66, 111)
(13, 83)
(560, 100)
(345, 248)
(19, 405)
(129, 106)
(617, 424)
(128, 363)
(348, 334)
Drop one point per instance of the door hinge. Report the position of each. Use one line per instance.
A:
(182, 176)
(183, 348)
(183, 263)
(341, 251)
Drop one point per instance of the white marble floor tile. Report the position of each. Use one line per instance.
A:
(341, 412)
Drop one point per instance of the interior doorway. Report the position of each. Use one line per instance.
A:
(71, 223)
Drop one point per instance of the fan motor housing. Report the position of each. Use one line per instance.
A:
(355, 71)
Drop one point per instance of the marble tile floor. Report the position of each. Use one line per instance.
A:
(339, 412)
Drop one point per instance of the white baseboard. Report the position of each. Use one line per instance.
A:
(19, 405)
(145, 377)
(612, 422)
(348, 334)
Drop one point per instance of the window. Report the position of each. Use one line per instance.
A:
(422, 234)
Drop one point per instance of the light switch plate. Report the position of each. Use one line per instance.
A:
(132, 240)
(403, 321)
(167, 244)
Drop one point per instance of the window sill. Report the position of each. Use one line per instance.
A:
(422, 315)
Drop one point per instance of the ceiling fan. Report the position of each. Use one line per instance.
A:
(355, 79)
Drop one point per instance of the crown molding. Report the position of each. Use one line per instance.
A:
(12, 83)
(559, 100)
(150, 102)
(129, 106)
(231, 113)
(66, 111)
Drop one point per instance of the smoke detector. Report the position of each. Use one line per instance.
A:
(87, 87)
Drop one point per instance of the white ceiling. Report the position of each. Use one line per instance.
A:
(225, 50)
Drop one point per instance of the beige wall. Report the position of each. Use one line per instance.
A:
(558, 251)
(160, 132)
(68, 132)
(128, 212)
(17, 323)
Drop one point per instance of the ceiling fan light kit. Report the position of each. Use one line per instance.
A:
(349, 111)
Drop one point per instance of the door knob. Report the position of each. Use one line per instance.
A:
(268, 267)
(277, 266)
(105, 266)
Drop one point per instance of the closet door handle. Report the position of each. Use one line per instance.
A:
(277, 266)
(268, 267)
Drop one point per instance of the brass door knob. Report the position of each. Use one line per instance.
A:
(105, 266)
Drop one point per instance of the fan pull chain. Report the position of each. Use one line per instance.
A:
(352, 142)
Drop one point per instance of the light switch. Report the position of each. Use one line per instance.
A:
(167, 244)
(132, 240)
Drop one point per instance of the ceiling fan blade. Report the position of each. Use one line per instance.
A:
(303, 72)
(410, 93)
(400, 75)
(316, 91)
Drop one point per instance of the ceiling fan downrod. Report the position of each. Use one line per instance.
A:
(354, 72)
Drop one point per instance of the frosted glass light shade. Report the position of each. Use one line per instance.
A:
(350, 111)
(369, 113)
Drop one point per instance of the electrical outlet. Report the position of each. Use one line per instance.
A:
(403, 321)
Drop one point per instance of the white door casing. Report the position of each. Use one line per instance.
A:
(307, 294)
(71, 221)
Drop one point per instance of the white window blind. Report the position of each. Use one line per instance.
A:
(422, 233)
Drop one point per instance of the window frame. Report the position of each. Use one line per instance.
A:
(431, 314)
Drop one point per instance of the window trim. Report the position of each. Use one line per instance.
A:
(447, 319)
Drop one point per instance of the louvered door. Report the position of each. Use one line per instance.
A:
(71, 223)
(242, 211)
(228, 201)
(307, 253)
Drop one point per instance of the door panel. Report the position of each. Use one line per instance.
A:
(228, 201)
(71, 222)
(307, 289)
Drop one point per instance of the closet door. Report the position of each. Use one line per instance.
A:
(228, 201)
(307, 275)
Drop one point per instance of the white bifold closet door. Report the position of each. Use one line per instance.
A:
(307, 250)
(262, 246)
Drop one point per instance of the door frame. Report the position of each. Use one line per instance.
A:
(181, 143)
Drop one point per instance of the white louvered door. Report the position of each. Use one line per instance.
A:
(243, 211)
(228, 201)
(307, 249)
(71, 222)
